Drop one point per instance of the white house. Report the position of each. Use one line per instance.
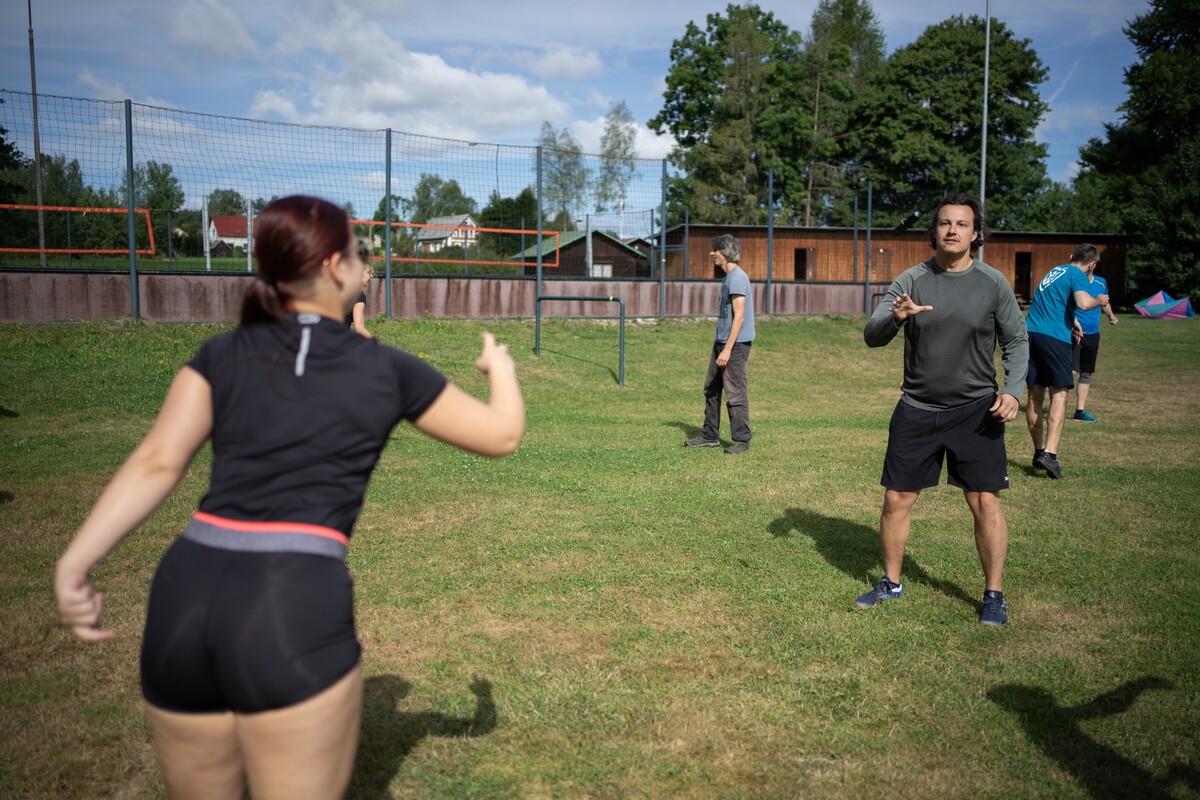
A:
(440, 232)
(230, 230)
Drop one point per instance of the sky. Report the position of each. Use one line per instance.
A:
(488, 71)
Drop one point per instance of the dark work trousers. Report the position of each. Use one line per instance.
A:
(732, 379)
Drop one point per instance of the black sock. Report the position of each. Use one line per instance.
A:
(1037, 453)
(1053, 456)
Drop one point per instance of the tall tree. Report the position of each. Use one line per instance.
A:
(1144, 176)
(565, 176)
(919, 125)
(433, 197)
(730, 104)
(618, 147)
(155, 188)
(226, 203)
(511, 213)
(844, 48)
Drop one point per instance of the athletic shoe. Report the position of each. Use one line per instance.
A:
(1051, 465)
(700, 441)
(885, 590)
(737, 447)
(995, 610)
(1084, 416)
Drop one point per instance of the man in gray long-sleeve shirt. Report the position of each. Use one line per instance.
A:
(953, 308)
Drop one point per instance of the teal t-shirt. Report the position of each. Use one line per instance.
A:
(1089, 321)
(1052, 312)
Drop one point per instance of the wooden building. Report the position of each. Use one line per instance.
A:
(828, 254)
(611, 258)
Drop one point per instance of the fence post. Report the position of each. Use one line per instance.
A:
(770, 234)
(662, 250)
(133, 286)
(538, 320)
(387, 224)
(249, 237)
(867, 259)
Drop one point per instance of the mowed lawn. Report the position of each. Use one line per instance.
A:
(607, 614)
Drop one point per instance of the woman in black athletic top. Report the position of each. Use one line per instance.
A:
(250, 663)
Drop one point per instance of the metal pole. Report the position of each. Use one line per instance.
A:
(854, 275)
(170, 244)
(662, 272)
(770, 235)
(249, 237)
(387, 224)
(537, 317)
(133, 285)
(987, 50)
(867, 260)
(68, 240)
(37, 146)
(687, 242)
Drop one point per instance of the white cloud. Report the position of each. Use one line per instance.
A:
(104, 89)
(370, 80)
(561, 62)
(212, 29)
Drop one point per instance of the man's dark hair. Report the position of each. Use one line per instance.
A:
(981, 228)
(1085, 254)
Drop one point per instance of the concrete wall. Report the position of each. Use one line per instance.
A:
(39, 297)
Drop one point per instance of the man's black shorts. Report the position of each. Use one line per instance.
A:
(1083, 356)
(1049, 362)
(969, 437)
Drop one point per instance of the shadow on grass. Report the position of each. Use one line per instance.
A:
(1104, 772)
(388, 735)
(560, 354)
(1025, 466)
(689, 431)
(6, 497)
(8, 412)
(854, 549)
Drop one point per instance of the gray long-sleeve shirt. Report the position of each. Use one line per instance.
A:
(949, 352)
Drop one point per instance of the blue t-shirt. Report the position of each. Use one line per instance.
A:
(736, 283)
(1089, 321)
(1053, 310)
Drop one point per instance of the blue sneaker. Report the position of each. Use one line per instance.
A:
(885, 590)
(995, 610)
(1084, 416)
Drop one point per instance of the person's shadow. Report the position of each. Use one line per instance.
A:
(1104, 772)
(854, 549)
(388, 735)
(689, 431)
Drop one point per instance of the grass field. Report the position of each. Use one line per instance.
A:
(607, 614)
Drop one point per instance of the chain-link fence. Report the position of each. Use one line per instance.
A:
(427, 205)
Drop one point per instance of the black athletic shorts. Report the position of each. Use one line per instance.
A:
(1049, 362)
(1083, 355)
(245, 631)
(969, 438)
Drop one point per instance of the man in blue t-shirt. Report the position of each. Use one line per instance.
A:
(1087, 343)
(730, 351)
(1050, 323)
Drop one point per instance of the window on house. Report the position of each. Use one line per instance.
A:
(601, 270)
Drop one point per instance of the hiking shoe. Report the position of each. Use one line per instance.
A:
(1049, 463)
(737, 447)
(700, 441)
(885, 590)
(1084, 416)
(995, 610)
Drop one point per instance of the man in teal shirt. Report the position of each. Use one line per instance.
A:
(1050, 323)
